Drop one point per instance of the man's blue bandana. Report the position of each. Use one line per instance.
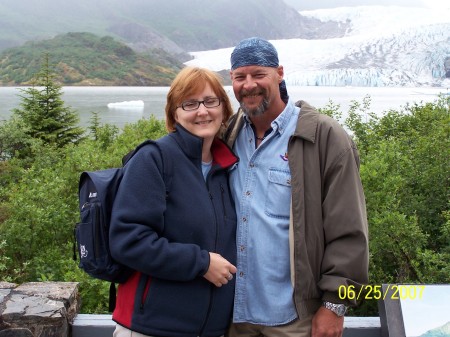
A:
(259, 52)
(254, 51)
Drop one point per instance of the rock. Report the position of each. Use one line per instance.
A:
(38, 309)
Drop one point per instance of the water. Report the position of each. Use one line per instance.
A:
(86, 100)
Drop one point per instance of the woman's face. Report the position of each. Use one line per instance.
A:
(203, 122)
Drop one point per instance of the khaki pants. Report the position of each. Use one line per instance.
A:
(124, 332)
(296, 328)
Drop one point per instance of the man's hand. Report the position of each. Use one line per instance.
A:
(326, 323)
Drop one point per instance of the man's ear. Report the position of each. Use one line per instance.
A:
(280, 72)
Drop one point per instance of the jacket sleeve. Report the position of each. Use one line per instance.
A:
(137, 222)
(345, 260)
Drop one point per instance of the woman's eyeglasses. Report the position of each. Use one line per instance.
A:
(191, 105)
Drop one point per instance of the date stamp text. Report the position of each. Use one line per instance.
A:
(376, 292)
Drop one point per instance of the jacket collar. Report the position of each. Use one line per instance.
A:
(192, 145)
(307, 122)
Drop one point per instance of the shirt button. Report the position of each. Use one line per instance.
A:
(244, 219)
(252, 165)
(242, 248)
(248, 193)
(241, 274)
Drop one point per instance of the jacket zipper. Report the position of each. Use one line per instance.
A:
(222, 190)
(145, 293)
(211, 287)
(98, 228)
(211, 295)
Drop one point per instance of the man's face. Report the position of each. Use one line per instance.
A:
(256, 87)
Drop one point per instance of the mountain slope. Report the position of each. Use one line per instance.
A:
(86, 59)
(172, 25)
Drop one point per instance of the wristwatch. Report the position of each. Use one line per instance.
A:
(338, 309)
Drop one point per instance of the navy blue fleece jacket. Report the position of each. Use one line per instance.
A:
(167, 239)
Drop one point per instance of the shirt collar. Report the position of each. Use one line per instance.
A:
(280, 123)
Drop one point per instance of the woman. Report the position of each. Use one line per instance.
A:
(181, 244)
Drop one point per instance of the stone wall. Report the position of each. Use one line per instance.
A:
(38, 309)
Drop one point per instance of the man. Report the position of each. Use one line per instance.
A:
(302, 228)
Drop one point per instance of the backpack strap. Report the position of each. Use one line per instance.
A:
(163, 144)
(130, 154)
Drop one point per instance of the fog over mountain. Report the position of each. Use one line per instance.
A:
(345, 46)
(322, 4)
(382, 46)
(176, 26)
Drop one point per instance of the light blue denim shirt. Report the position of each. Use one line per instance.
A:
(262, 192)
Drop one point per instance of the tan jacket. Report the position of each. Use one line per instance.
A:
(329, 232)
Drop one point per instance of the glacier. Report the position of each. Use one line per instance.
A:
(385, 46)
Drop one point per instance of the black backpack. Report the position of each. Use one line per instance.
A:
(97, 191)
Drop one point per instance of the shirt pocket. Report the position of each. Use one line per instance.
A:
(278, 196)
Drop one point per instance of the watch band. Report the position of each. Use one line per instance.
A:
(338, 309)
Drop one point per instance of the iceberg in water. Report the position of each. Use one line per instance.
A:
(139, 104)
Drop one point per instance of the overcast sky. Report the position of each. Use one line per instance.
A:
(318, 4)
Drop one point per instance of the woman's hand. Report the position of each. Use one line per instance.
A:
(220, 271)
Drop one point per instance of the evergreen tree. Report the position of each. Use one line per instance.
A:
(43, 114)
